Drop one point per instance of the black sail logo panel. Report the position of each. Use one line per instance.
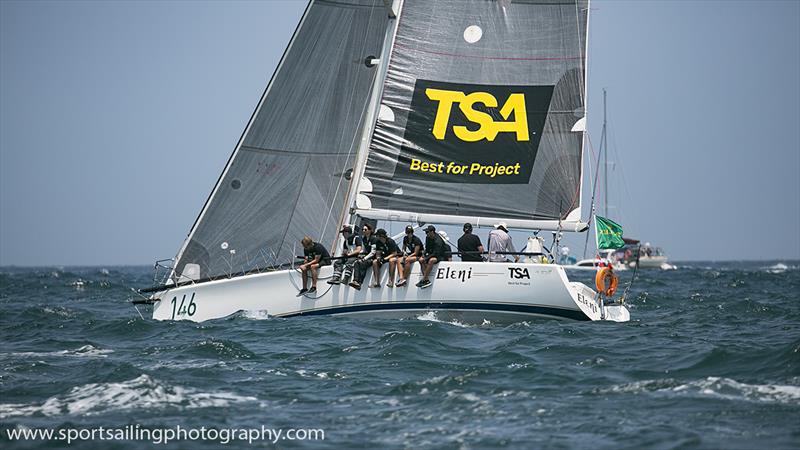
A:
(473, 133)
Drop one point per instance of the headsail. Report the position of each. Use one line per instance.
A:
(480, 115)
(286, 177)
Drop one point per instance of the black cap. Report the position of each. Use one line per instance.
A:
(430, 228)
(409, 229)
(467, 226)
(380, 232)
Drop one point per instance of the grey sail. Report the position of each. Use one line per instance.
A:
(480, 114)
(285, 178)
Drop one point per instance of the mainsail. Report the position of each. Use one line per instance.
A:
(287, 175)
(481, 115)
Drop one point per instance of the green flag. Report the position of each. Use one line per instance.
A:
(609, 233)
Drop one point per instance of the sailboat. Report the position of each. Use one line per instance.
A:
(410, 112)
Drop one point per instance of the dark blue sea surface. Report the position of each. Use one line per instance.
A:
(710, 359)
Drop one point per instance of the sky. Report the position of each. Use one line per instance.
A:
(116, 119)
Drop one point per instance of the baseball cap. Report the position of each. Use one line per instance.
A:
(430, 228)
(467, 226)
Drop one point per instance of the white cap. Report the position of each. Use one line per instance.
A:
(501, 224)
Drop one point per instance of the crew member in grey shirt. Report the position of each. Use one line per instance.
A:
(500, 241)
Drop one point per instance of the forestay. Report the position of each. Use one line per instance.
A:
(481, 115)
(286, 177)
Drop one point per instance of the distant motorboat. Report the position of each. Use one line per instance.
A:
(646, 256)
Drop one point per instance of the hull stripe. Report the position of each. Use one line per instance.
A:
(470, 306)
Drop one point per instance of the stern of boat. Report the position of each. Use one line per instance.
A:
(595, 307)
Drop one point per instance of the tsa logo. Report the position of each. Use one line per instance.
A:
(518, 273)
(488, 127)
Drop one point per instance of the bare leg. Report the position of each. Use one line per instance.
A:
(376, 272)
(314, 274)
(304, 272)
(426, 270)
(422, 267)
(407, 270)
(392, 265)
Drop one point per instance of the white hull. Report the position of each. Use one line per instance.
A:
(466, 291)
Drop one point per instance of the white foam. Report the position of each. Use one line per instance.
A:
(259, 314)
(717, 387)
(140, 392)
(430, 316)
(87, 351)
(324, 375)
(779, 268)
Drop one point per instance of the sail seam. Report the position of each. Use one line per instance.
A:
(287, 152)
(493, 58)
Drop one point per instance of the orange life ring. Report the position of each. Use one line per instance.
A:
(606, 281)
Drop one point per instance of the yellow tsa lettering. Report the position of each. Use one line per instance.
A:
(488, 127)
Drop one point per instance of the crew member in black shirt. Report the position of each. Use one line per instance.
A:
(469, 245)
(351, 248)
(368, 253)
(387, 251)
(412, 251)
(316, 256)
(434, 252)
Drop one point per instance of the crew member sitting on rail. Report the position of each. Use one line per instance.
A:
(387, 251)
(470, 246)
(367, 255)
(448, 250)
(351, 248)
(412, 251)
(434, 252)
(316, 256)
(500, 242)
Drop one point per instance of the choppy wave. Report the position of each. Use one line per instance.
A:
(143, 392)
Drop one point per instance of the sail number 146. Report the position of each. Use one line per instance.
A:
(184, 308)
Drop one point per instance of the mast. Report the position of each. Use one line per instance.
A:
(599, 171)
(604, 150)
(372, 111)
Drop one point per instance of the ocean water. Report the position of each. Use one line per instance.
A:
(710, 359)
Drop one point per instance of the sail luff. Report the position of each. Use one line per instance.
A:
(585, 64)
(240, 141)
(372, 114)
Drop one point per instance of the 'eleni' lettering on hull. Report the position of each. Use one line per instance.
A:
(450, 274)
